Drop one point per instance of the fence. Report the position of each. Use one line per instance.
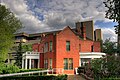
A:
(52, 71)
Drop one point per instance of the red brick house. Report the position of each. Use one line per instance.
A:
(60, 50)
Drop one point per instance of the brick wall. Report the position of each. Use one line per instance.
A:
(61, 53)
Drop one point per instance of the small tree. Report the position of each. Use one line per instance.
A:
(109, 47)
(20, 50)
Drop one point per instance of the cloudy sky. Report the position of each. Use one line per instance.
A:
(47, 15)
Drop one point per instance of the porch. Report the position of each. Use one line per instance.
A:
(30, 60)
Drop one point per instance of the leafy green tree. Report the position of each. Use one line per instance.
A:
(106, 67)
(113, 13)
(109, 47)
(20, 50)
(9, 24)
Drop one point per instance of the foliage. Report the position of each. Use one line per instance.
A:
(9, 24)
(106, 67)
(6, 69)
(19, 56)
(51, 77)
(2, 66)
(10, 69)
(109, 47)
(20, 50)
(113, 13)
(27, 47)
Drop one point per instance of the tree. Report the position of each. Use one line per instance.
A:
(106, 67)
(109, 47)
(9, 24)
(113, 13)
(20, 50)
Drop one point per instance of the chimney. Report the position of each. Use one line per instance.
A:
(83, 31)
(78, 28)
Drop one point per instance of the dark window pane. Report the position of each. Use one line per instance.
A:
(67, 45)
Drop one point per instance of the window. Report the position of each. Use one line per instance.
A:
(65, 63)
(79, 47)
(67, 45)
(45, 64)
(51, 44)
(43, 49)
(68, 63)
(50, 63)
(46, 47)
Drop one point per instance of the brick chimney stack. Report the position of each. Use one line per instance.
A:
(78, 28)
(84, 33)
(81, 29)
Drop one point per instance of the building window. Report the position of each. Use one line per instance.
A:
(46, 47)
(79, 47)
(92, 48)
(68, 63)
(67, 45)
(45, 63)
(50, 63)
(43, 49)
(51, 45)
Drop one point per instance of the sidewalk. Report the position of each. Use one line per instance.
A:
(75, 77)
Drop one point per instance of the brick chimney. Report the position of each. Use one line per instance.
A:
(83, 31)
(78, 28)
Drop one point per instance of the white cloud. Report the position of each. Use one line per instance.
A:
(58, 13)
(30, 22)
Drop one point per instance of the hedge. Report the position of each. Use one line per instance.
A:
(51, 77)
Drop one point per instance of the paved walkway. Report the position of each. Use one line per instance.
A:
(75, 77)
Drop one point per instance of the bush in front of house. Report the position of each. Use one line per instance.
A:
(51, 77)
(2, 66)
(8, 68)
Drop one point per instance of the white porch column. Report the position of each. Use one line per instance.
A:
(25, 63)
(38, 63)
(80, 62)
(22, 63)
(29, 63)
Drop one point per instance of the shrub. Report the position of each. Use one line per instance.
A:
(10, 69)
(59, 77)
(2, 66)
(6, 69)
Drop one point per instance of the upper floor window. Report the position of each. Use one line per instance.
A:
(67, 45)
(46, 47)
(51, 45)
